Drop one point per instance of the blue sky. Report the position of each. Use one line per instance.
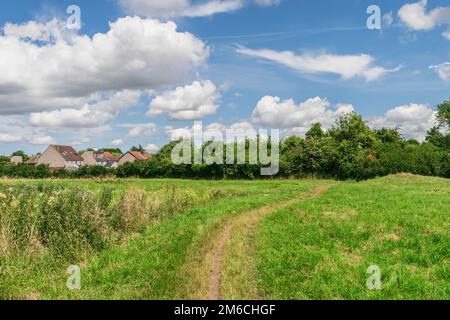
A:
(243, 64)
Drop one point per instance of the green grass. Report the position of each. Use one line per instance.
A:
(322, 248)
(148, 266)
(317, 248)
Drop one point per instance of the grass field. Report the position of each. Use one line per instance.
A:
(179, 239)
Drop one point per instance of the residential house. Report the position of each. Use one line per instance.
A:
(100, 158)
(16, 160)
(60, 157)
(33, 161)
(133, 156)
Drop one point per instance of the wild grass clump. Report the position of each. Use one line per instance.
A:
(71, 222)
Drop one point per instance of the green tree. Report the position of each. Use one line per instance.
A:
(315, 132)
(413, 142)
(388, 135)
(353, 129)
(443, 114)
(434, 136)
(139, 148)
(4, 160)
(113, 150)
(20, 153)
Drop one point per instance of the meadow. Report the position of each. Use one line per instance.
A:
(186, 239)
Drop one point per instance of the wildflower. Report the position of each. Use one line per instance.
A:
(51, 200)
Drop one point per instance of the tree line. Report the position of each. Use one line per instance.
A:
(349, 150)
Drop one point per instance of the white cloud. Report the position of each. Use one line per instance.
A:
(51, 31)
(443, 70)
(413, 120)
(215, 131)
(81, 141)
(135, 54)
(116, 143)
(178, 133)
(152, 148)
(191, 102)
(272, 112)
(446, 35)
(168, 9)
(8, 138)
(90, 115)
(416, 17)
(44, 140)
(388, 19)
(346, 66)
(179, 8)
(212, 7)
(140, 129)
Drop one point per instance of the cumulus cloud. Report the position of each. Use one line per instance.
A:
(81, 141)
(135, 54)
(17, 129)
(8, 138)
(140, 129)
(416, 17)
(167, 9)
(51, 31)
(413, 120)
(90, 115)
(274, 113)
(116, 143)
(44, 140)
(346, 66)
(443, 70)
(191, 102)
(152, 148)
(214, 131)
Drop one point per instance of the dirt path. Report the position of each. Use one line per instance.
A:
(246, 224)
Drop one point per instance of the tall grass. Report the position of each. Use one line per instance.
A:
(71, 223)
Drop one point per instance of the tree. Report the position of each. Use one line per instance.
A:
(4, 160)
(352, 128)
(112, 150)
(443, 114)
(139, 149)
(315, 132)
(434, 136)
(388, 135)
(413, 142)
(20, 153)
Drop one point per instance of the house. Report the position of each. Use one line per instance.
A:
(33, 161)
(60, 157)
(16, 160)
(132, 156)
(100, 158)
